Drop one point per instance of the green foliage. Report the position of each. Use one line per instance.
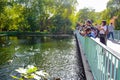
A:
(105, 16)
(27, 15)
(85, 14)
(113, 10)
(55, 16)
(61, 24)
(2, 5)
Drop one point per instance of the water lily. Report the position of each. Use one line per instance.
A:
(16, 48)
(30, 67)
(30, 72)
(36, 77)
(37, 50)
(42, 73)
(21, 70)
(10, 61)
(31, 48)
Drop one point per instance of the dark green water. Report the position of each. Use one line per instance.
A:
(56, 55)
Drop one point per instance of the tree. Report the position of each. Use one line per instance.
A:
(37, 15)
(2, 5)
(113, 7)
(85, 14)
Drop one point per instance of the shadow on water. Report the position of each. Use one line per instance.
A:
(56, 55)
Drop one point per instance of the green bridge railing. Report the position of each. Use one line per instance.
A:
(117, 35)
(104, 62)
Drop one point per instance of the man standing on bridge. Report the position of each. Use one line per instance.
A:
(111, 29)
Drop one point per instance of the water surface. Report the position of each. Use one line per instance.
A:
(56, 55)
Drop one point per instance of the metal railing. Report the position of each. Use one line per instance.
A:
(116, 35)
(104, 62)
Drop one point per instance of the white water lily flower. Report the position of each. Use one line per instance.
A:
(41, 73)
(10, 61)
(30, 67)
(36, 77)
(46, 74)
(21, 70)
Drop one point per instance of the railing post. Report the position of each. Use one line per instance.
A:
(118, 35)
(118, 71)
(111, 66)
(115, 66)
(103, 52)
(108, 67)
(105, 61)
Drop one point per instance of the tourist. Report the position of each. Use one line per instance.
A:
(102, 32)
(111, 29)
(88, 24)
(78, 26)
(94, 30)
(90, 33)
(88, 30)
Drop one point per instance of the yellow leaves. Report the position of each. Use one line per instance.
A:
(14, 12)
(12, 16)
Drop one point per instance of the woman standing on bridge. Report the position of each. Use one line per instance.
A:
(103, 29)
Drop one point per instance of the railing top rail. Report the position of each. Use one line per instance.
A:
(114, 53)
(116, 30)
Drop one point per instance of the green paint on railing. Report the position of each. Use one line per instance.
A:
(116, 35)
(104, 63)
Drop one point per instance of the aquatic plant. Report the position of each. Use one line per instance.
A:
(30, 73)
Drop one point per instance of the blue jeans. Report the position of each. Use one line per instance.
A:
(110, 34)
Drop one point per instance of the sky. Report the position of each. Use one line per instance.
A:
(98, 5)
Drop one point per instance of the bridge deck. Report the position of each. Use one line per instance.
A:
(114, 45)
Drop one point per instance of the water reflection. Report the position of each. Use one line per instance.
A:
(56, 55)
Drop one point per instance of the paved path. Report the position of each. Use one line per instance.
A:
(114, 45)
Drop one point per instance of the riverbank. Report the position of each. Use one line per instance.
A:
(17, 33)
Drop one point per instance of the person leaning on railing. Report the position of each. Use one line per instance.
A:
(88, 29)
(102, 32)
(90, 33)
